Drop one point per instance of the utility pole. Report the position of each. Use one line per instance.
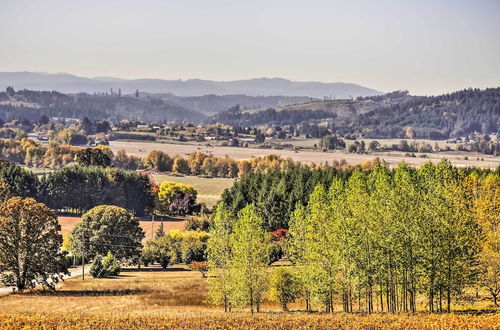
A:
(83, 256)
(152, 226)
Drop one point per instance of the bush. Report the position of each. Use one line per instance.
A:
(200, 266)
(197, 223)
(193, 249)
(275, 251)
(284, 287)
(96, 269)
(109, 266)
(148, 256)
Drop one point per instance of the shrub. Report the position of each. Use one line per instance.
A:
(96, 269)
(197, 223)
(105, 267)
(285, 287)
(275, 251)
(200, 266)
(193, 249)
(111, 265)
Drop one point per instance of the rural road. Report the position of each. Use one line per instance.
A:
(5, 290)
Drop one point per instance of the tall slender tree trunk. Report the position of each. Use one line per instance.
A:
(381, 297)
(440, 300)
(448, 300)
(350, 299)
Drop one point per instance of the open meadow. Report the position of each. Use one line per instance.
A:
(141, 149)
(209, 189)
(176, 298)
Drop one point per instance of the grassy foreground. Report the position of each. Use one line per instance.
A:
(262, 321)
(176, 298)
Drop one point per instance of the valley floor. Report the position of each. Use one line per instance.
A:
(141, 149)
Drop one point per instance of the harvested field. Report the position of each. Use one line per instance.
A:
(393, 158)
(261, 321)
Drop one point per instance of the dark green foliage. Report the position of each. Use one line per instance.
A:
(269, 116)
(105, 267)
(96, 268)
(197, 223)
(276, 193)
(92, 157)
(79, 189)
(21, 181)
(436, 117)
(432, 117)
(275, 252)
(108, 229)
(193, 249)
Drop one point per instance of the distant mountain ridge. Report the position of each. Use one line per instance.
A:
(68, 83)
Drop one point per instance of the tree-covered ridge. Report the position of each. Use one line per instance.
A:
(387, 116)
(33, 104)
(237, 118)
(447, 115)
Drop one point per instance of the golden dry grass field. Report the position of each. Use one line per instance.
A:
(176, 298)
(141, 149)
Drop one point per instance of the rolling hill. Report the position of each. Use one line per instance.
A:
(67, 83)
(32, 104)
(386, 116)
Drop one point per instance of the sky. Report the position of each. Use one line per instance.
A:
(428, 47)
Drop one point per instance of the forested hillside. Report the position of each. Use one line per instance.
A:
(33, 104)
(386, 116)
(212, 104)
(448, 115)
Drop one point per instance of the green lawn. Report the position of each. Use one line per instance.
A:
(209, 189)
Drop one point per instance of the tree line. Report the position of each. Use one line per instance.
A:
(28, 152)
(76, 189)
(372, 240)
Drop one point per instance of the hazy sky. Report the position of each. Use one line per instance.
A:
(427, 47)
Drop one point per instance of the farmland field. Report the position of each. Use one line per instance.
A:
(176, 298)
(141, 149)
(67, 224)
(209, 189)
